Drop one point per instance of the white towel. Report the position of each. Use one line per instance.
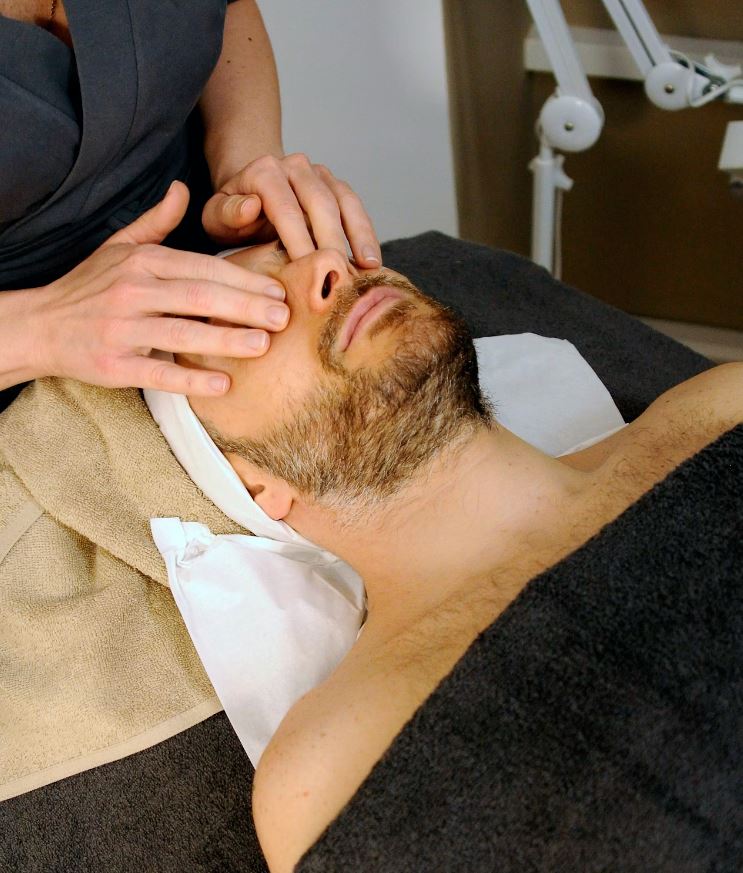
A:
(545, 392)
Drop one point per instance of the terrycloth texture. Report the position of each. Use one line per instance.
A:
(183, 805)
(597, 724)
(95, 662)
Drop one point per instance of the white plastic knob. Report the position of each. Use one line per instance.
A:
(571, 124)
(667, 85)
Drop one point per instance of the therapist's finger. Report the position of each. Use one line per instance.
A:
(267, 178)
(188, 336)
(356, 222)
(230, 217)
(318, 202)
(156, 223)
(143, 372)
(212, 300)
(165, 263)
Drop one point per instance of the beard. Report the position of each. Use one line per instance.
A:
(363, 435)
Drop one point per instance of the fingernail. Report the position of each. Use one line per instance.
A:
(275, 291)
(218, 384)
(277, 315)
(247, 205)
(256, 340)
(370, 254)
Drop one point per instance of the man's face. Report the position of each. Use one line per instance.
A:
(368, 380)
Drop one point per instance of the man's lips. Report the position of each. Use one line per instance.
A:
(365, 310)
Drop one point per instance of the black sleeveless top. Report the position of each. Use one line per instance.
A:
(91, 138)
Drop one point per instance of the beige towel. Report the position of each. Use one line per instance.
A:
(95, 662)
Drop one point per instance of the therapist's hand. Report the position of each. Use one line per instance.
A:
(301, 203)
(100, 322)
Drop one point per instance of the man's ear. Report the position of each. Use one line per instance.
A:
(274, 496)
(275, 499)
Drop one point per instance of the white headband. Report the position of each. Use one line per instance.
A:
(210, 470)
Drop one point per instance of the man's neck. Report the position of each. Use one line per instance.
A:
(477, 509)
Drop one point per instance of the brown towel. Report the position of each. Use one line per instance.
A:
(95, 662)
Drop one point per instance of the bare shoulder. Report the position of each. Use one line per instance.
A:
(716, 395)
(680, 422)
(322, 752)
(331, 739)
(691, 415)
(290, 790)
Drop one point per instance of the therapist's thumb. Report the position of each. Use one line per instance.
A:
(155, 224)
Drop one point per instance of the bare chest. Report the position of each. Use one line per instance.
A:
(426, 652)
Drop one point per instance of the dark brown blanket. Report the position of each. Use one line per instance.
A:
(597, 724)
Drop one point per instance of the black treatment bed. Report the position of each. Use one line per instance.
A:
(184, 805)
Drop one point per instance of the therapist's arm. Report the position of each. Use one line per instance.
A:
(240, 104)
(259, 193)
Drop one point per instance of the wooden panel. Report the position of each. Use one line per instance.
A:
(491, 132)
(650, 225)
(680, 17)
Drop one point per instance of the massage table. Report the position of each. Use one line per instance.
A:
(184, 805)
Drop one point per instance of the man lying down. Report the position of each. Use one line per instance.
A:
(365, 430)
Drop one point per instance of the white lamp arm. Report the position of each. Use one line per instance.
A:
(560, 48)
(668, 84)
(571, 119)
(636, 27)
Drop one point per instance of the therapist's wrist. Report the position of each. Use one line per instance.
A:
(225, 162)
(22, 337)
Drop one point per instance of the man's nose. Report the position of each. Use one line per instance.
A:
(329, 270)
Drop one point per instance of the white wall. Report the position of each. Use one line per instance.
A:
(363, 87)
